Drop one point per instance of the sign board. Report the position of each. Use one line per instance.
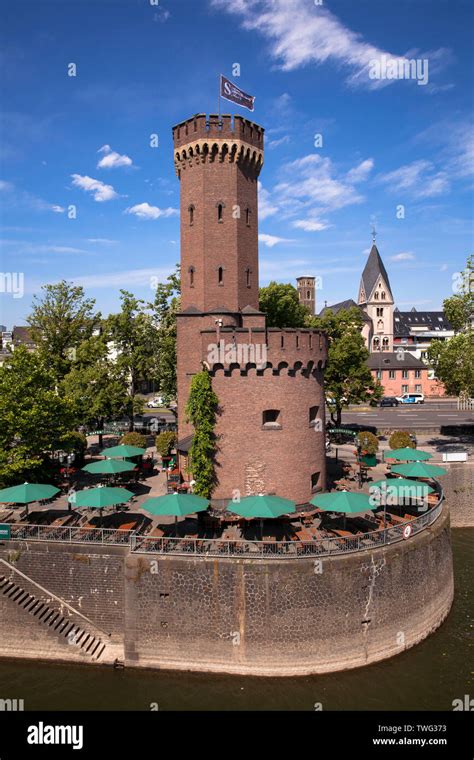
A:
(5, 531)
(345, 431)
(455, 456)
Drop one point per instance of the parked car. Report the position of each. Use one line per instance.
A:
(411, 398)
(389, 401)
(155, 403)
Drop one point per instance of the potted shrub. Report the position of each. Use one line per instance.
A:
(368, 447)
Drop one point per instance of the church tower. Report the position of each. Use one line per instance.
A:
(376, 300)
(307, 292)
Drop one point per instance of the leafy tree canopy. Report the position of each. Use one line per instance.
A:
(282, 306)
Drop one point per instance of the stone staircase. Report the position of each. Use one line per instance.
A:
(46, 614)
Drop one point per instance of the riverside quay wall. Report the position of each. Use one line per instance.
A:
(264, 617)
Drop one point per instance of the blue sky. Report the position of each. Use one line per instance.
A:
(141, 67)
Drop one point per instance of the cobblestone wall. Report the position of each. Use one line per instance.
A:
(275, 617)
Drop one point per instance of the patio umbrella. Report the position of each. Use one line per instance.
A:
(100, 497)
(27, 492)
(419, 470)
(175, 504)
(398, 488)
(122, 451)
(408, 455)
(346, 502)
(262, 506)
(109, 467)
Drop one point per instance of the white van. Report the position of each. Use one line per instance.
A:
(411, 398)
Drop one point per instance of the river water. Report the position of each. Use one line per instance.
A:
(428, 677)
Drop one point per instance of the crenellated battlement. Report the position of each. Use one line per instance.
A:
(271, 351)
(200, 140)
(225, 127)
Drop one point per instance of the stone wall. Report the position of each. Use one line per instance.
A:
(272, 617)
(458, 486)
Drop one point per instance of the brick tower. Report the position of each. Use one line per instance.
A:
(307, 292)
(269, 382)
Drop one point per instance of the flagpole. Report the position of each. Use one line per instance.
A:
(219, 99)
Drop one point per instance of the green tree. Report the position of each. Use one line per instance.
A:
(165, 309)
(201, 411)
(348, 380)
(400, 439)
(453, 359)
(134, 439)
(34, 418)
(282, 306)
(368, 442)
(134, 340)
(60, 320)
(165, 443)
(95, 385)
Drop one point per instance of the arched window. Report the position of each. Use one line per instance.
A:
(308, 295)
(191, 215)
(385, 344)
(376, 343)
(383, 295)
(191, 276)
(220, 275)
(376, 296)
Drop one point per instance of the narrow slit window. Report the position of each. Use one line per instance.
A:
(220, 275)
(247, 217)
(191, 215)
(220, 212)
(191, 277)
(247, 277)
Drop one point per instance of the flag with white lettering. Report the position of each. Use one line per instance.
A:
(230, 91)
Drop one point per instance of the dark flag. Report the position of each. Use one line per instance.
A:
(230, 91)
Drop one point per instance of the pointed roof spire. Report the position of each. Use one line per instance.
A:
(373, 269)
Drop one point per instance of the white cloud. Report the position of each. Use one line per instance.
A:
(419, 179)
(100, 190)
(101, 241)
(4, 185)
(300, 33)
(57, 209)
(404, 256)
(24, 198)
(265, 206)
(311, 225)
(280, 141)
(145, 211)
(271, 240)
(361, 172)
(112, 159)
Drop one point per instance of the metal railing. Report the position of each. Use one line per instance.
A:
(72, 534)
(218, 547)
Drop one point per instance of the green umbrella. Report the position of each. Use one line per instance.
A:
(402, 488)
(408, 455)
(262, 506)
(109, 467)
(177, 504)
(398, 489)
(342, 501)
(98, 498)
(122, 451)
(419, 470)
(27, 492)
